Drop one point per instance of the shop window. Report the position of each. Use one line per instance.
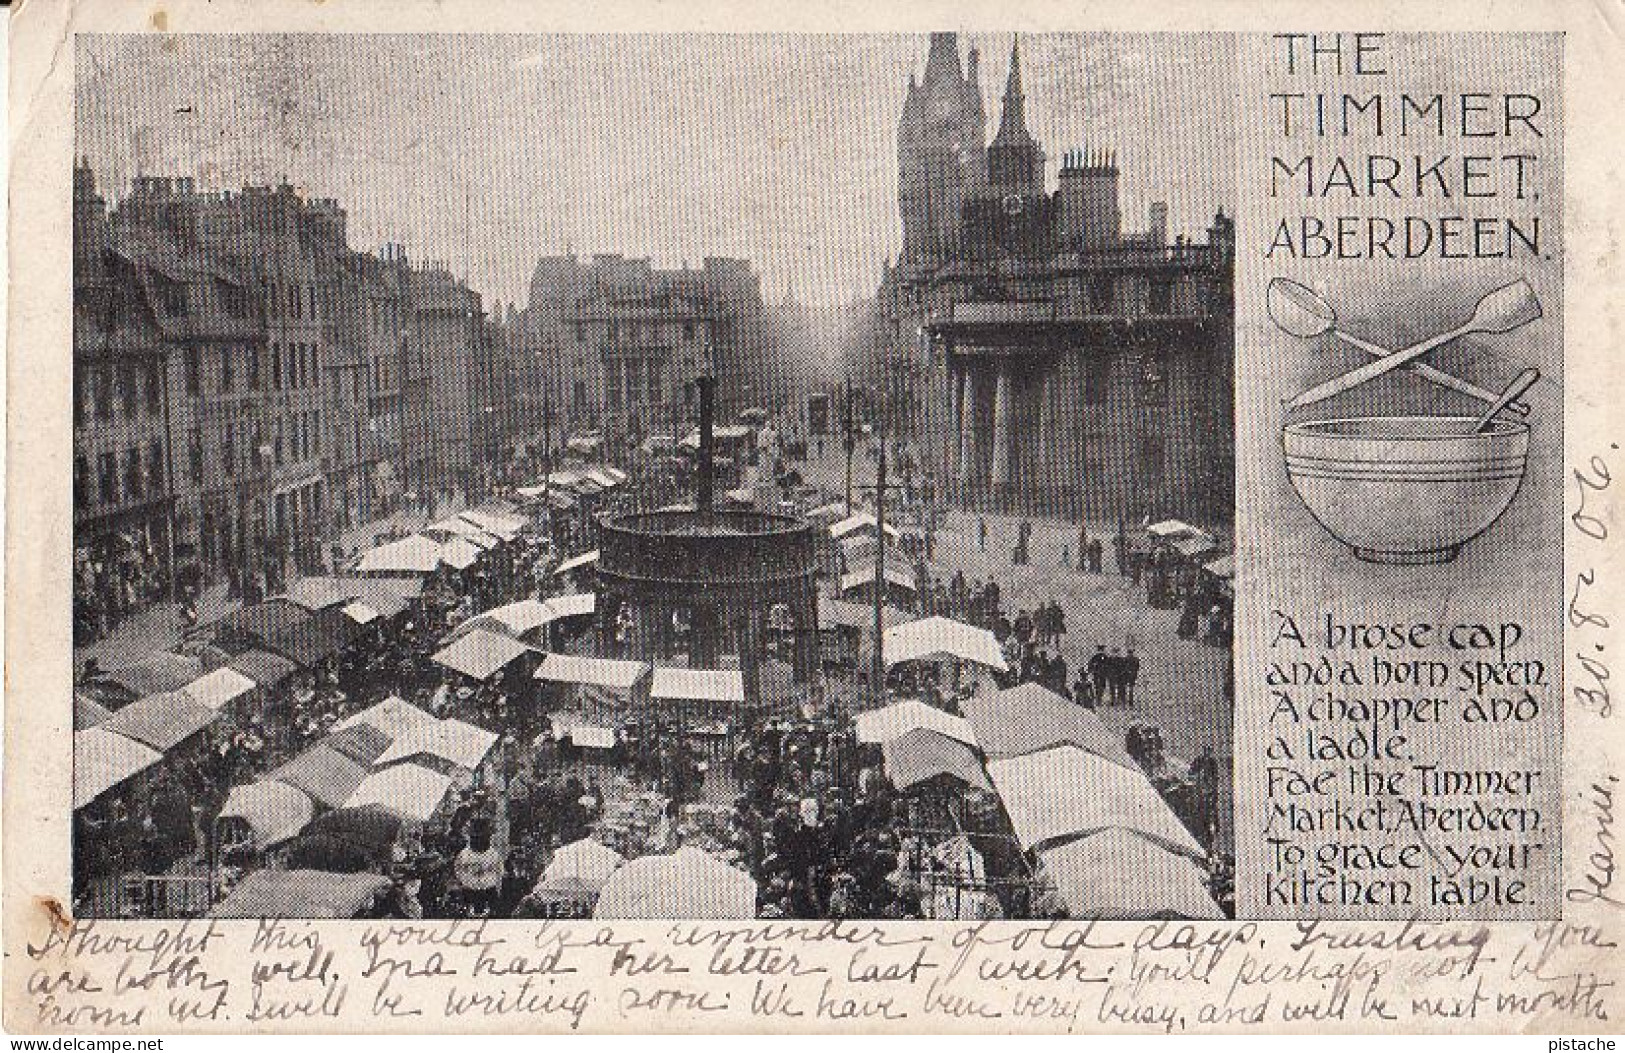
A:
(1101, 289)
(1154, 380)
(194, 372)
(1097, 372)
(1160, 299)
(1151, 455)
(107, 478)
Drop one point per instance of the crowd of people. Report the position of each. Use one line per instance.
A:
(792, 799)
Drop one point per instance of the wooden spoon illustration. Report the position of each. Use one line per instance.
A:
(1520, 384)
(1501, 311)
(1298, 310)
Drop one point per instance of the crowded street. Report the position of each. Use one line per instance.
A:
(447, 724)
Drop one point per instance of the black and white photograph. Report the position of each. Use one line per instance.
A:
(636, 477)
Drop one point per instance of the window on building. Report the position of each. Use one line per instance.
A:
(276, 366)
(256, 456)
(612, 389)
(128, 381)
(235, 299)
(1101, 288)
(1097, 375)
(194, 372)
(78, 397)
(688, 330)
(315, 433)
(155, 466)
(171, 294)
(310, 290)
(107, 478)
(104, 392)
(276, 444)
(81, 480)
(1151, 452)
(688, 396)
(132, 473)
(654, 381)
(194, 455)
(614, 332)
(294, 300)
(253, 369)
(1160, 299)
(155, 389)
(634, 382)
(1154, 380)
(228, 450)
(227, 380)
(580, 393)
(581, 333)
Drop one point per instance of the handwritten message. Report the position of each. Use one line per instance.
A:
(1154, 976)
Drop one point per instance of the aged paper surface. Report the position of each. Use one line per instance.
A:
(384, 658)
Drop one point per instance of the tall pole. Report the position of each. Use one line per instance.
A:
(877, 672)
(851, 441)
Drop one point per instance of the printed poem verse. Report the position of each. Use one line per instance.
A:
(1369, 809)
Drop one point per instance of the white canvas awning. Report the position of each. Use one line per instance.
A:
(220, 688)
(689, 883)
(411, 791)
(456, 526)
(573, 605)
(455, 741)
(1030, 718)
(698, 685)
(936, 638)
(360, 613)
(613, 673)
(480, 653)
(579, 867)
(103, 760)
(577, 562)
(1089, 874)
(460, 553)
(273, 810)
(866, 576)
(898, 719)
(831, 513)
(860, 521)
(394, 716)
(505, 527)
(922, 755)
(515, 619)
(1223, 568)
(1169, 528)
(1065, 792)
(409, 555)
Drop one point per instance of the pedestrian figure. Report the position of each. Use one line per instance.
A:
(1097, 668)
(1131, 674)
(1116, 680)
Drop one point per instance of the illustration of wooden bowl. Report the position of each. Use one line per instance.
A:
(1406, 489)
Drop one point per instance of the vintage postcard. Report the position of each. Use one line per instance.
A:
(999, 518)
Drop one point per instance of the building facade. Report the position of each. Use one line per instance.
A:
(247, 386)
(614, 345)
(1063, 365)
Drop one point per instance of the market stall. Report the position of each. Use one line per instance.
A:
(688, 883)
(1065, 792)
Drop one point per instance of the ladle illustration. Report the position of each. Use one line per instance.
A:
(1298, 310)
(1407, 489)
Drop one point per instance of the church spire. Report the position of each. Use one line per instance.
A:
(1014, 159)
(1013, 119)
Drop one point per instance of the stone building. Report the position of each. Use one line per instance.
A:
(123, 487)
(587, 323)
(1065, 365)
